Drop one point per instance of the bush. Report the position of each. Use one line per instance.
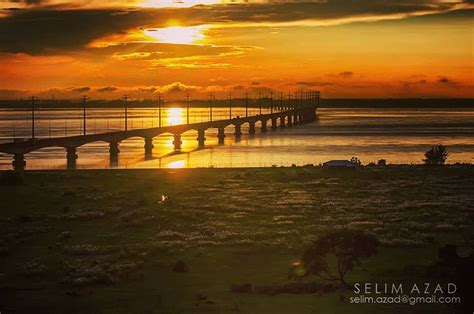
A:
(382, 162)
(437, 155)
(347, 246)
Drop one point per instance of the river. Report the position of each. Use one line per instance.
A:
(400, 136)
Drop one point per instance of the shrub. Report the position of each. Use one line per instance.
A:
(382, 162)
(437, 155)
(347, 246)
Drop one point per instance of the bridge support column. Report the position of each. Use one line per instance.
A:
(114, 152)
(251, 128)
(282, 122)
(19, 162)
(274, 124)
(177, 142)
(220, 135)
(290, 120)
(201, 138)
(148, 145)
(264, 126)
(238, 131)
(71, 156)
(295, 119)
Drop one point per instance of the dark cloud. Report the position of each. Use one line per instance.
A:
(47, 30)
(346, 74)
(81, 89)
(108, 89)
(415, 83)
(444, 80)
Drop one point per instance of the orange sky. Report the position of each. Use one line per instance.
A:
(410, 48)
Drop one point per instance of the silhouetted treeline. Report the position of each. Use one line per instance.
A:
(398, 103)
(266, 102)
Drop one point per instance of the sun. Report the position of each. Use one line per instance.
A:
(184, 35)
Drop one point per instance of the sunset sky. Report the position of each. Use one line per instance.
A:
(345, 49)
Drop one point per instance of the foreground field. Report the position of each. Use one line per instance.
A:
(107, 241)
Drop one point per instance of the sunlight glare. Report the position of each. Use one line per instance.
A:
(176, 3)
(176, 164)
(175, 116)
(177, 34)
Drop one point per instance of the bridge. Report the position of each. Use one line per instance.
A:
(298, 112)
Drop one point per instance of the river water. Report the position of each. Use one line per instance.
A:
(397, 135)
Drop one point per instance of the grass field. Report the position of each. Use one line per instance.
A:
(106, 241)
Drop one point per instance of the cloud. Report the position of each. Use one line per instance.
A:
(48, 30)
(178, 87)
(151, 89)
(444, 80)
(81, 89)
(54, 31)
(108, 89)
(346, 74)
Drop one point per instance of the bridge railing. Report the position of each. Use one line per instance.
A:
(43, 122)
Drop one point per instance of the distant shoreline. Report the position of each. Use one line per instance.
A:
(389, 103)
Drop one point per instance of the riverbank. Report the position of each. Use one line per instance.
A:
(107, 240)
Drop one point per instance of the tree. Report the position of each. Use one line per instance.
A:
(437, 155)
(347, 246)
(356, 161)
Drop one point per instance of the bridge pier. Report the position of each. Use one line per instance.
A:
(295, 119)
(71, 156)
(282, 122)
(238, 131)
(114, 152)
(177, 142)
(148, 145)
(201, 138)
(290, 120)
(19, 162)
(274, 124)
(220, 135)
(251, 128)
(264, 126)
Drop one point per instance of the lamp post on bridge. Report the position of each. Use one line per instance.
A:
(246, 104)
(271, 102)
(33, 99)
(230, 106)
(125, 98)
(187, 108)
(281, 99)
(159, 110)
(289, 99)
(84, 100)
(211, 98)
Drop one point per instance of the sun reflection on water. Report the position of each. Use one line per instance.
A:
(176, 164)
(175, 116)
